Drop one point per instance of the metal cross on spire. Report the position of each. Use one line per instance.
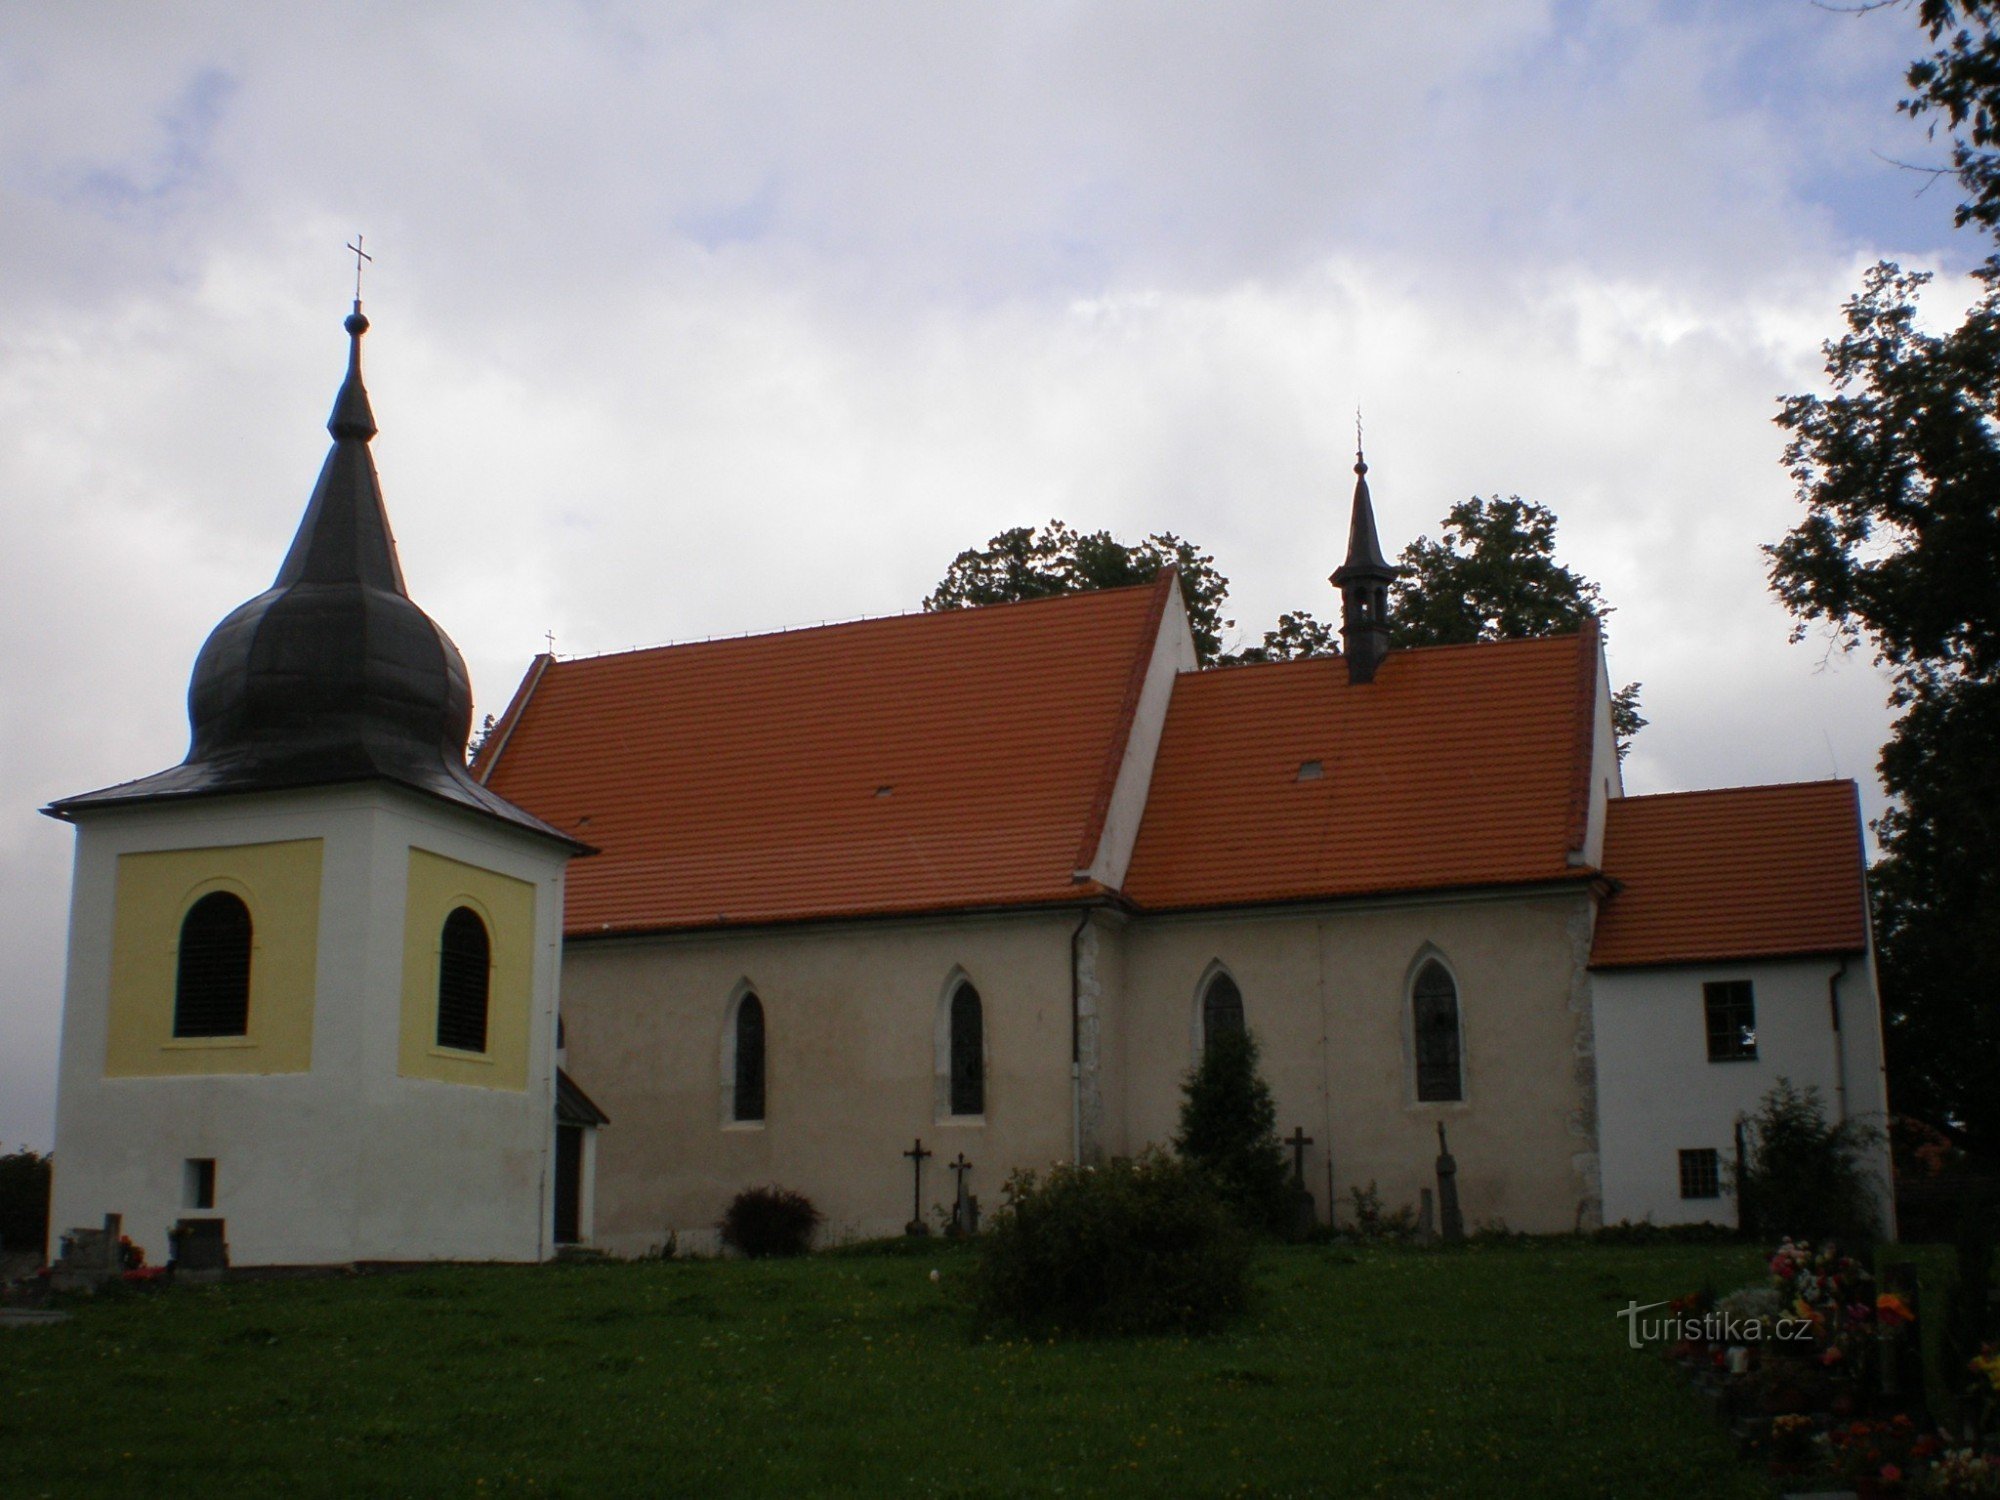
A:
(1359, 461)
(359, 256)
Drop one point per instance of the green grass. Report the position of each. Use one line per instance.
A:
(1487, 1371)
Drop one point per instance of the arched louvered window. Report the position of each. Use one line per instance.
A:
(465, 972)
(212, 968)
(968, 1053)
(748, 1099)
(1434, 1022)
(1221, 1008)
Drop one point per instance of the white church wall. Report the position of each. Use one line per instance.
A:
(1172, 653)
(1661, 1095)
(850, 1041)
(1326, 992)
(345, 1161)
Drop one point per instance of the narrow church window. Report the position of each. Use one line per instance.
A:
(199, 1182)
(1730, 1009)
(1434, 1014)
(749, 1092)
(1221, 1008)
(212, 970)
(1701, 1174)
(968, 1053)
(465, 972)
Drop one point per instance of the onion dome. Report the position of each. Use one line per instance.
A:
(333, 674)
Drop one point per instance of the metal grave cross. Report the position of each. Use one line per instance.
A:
(917, 1154)
(1298, 1140)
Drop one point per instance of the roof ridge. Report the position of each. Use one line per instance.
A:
(1167, 580)
(1723, 791)
(1071, 596)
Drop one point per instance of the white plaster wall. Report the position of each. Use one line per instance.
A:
(1325, 991)
(850, 1014)
(1659, 1094)
(347, 1161)
(1172, 653)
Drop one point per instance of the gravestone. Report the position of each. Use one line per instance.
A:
(89, 1257)
(965, 1208)
(200, 1252)
(1452, 1221)
(1305, 1213)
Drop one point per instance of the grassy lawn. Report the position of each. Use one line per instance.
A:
(1486, 1371)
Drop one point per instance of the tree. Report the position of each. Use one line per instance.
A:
(24, 1200)
(1031, 563)
(1298, 634)
(1805, 1178)
(1898, 468)
(1229, 1129)
(1492, 576)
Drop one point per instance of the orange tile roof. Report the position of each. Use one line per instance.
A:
(1456, 766)
(1745, 872)
(743, 781)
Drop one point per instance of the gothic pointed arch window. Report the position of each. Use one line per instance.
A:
(465, 981)
(968, 1050)
(1221, 1007)
(212, 968)
(747, 1074)
(1434, 1033)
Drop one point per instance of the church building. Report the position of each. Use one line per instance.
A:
(984, 880)
(969, 887)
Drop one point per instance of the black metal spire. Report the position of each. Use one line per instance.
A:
(1363, 581)
(333, 674)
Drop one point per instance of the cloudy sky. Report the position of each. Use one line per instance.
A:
(693, 319)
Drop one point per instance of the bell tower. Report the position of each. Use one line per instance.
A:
(313, 968)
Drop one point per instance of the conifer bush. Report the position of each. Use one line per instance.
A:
(1144, 1245)
(770, 1220)
(1229, 1131)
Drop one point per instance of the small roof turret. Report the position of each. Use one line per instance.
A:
(1363, 580)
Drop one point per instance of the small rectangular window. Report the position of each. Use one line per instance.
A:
(200, 1182)
(1731, 1012)
(1701, 1174)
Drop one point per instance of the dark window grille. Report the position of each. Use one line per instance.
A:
(1434, 1001)
(465, 975)
(1221, 1008)
(201, 1182)
(212, 969)
(968, 1054)
(1701, 1174)
(749, 1100)
(1731, 1010)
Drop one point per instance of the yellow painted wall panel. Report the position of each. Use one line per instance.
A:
(507, 907)
(280, 884)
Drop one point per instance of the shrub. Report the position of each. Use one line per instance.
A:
(1229, 1131)
(1138, 1246)
(771, 1220)
(24, 1200)
(1803, 1177)
(1371, 1222)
